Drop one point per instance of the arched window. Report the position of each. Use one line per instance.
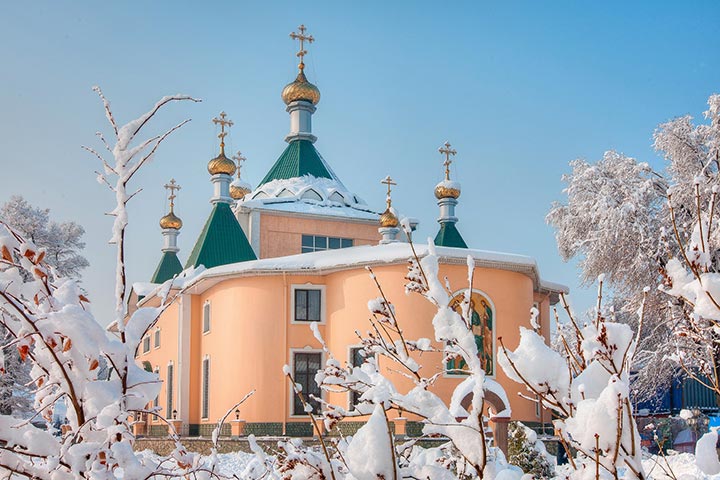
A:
(482, 318)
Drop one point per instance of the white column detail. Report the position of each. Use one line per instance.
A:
(183, 366)
(300, 121)
(447, 210)
(170, 240)
(221, 188)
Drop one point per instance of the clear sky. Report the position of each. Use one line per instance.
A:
(518, 88)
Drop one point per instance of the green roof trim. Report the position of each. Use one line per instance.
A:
(299, 158)
(448, 236)
(222, 240)
(168, 267)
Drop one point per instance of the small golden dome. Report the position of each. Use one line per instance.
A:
(238, 192)
(300, 89)
(171, 221)
(221, 164)
(447, 190)
(388, 219)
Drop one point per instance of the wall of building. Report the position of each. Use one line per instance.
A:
(281, 235)
(252, 335)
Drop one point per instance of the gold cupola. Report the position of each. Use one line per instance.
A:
(171, 221)
(300, 88)
(447, 188)
(238, 187)
(388, 219)
(221, 164)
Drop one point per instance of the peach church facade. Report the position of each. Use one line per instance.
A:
(293, 251)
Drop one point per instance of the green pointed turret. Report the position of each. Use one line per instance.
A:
(449, 236)
(299, 158)
(168, 267)
(222, 240)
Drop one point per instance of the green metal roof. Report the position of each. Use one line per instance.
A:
(448, 236)
(221, 241)
(168, 267)
(299, 158)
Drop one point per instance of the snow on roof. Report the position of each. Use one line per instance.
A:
(309, 195)
(353, 257)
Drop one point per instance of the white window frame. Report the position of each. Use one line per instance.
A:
(293, 351)
(207, 306)
(495, 332)
(205, 389)
(350, 348)
(146, 344)
(323, 302)
(156, 338)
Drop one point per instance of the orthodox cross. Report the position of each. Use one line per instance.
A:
(223, 122)
(302, 38)
(240, 160)
(447, 151)
(172, 186)
(389, 182)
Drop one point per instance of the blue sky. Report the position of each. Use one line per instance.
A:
(518, 88)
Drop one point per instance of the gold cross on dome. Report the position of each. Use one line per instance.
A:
(302, 38)
(223, 122)
(172, 186)
(240, 160)
(389, 182)
(447, 151)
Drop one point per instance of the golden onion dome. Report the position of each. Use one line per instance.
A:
(388, 219)
(238, 190)
(447, 189)
(300, 89)
(221, 164)
(171, 221)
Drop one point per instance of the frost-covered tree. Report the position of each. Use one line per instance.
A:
(617, 222)
(528, 453)
(62, 242)
(51, 329)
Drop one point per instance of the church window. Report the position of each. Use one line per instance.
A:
(169, 390)
(357, 358)
(308, 306)
(305, 366)
(318, 243)
(206, 387)
(157, 338)
(206, 318)
(146, 344)
(311, 194)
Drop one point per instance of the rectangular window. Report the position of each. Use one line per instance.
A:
(206, 388)
(157, 338)
(169, 388)
(356, 359)
(307, 305)
(146, 344)
(306, 366)
(317, 243)
(206, 317)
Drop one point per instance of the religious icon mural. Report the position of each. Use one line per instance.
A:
(482, 319)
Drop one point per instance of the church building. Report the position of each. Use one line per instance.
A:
(293, 251)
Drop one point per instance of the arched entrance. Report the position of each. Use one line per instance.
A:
(497, 409)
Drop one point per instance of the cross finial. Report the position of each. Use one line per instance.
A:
(172, 186)
(223, 122)
(302, 38)
(447, 151)
(239, 159)
(389, 182)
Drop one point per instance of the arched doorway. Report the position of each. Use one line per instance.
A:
(496, 409)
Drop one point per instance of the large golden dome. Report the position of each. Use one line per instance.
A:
(221, 164)
(388, 219)
(171, 221)
(300, 89)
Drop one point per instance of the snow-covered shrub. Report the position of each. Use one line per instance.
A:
(528, 453)
(587, 388)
